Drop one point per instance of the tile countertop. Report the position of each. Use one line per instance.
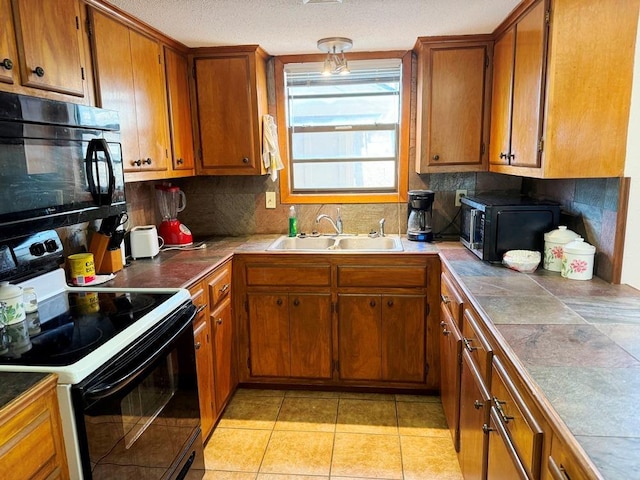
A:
(579, 341)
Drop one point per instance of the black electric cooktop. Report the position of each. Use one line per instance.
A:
(71, 325)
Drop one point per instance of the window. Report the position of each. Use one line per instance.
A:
(343, 137)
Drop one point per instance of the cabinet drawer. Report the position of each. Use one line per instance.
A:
(199, 299)
(382, 276)
(562, 465)
(220, 285)
(451, 298)
(297, 275)
(522, 428)
(476, 344)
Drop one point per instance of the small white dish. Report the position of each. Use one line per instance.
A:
(525, 261)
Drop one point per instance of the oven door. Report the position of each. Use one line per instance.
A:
(139, 417)
(472, 229)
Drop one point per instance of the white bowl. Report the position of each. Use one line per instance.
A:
(525, 261)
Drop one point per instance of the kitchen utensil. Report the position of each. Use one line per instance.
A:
(145, 242)
(554, 241)
(577, 260)
(171, 201)
(525, 261)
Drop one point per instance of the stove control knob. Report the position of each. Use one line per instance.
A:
(51, 245)
(37, 249)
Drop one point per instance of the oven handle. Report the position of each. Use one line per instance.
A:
(473, 218)
(103, 390)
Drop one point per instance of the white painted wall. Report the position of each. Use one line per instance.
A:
(631, 260)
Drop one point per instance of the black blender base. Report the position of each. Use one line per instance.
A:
(420, 236)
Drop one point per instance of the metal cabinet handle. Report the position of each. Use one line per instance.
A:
(279, 301)
(224, 288)
(486, 429)
(445, 299)
(219, 321)
(201, 308)
(296, 302)
(136, 163)
(436, 157)
(445, 332)
(147, 161)
(179, 161)
(467, 344)
(477, 404)
(390, 303)
(245, 160)
(372, 303)
(197, 345)
(498, 404)
(504, 155)
(39, 71)
(7, 64)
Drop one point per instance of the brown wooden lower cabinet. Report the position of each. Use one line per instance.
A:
(450, 355)
(503, 462)
(222, 333)
(290, 335)
(31, 435)
(475, 403)
(381, 337)
(206, 386)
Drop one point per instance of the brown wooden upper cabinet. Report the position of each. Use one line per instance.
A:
(562, 77)
(231, 96)
(177, 71)
(453, 103)
(41, 47)
(130, 79)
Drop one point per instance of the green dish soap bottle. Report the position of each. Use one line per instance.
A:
(293, 222)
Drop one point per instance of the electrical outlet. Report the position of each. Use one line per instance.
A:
(459, 195)
(270, 201)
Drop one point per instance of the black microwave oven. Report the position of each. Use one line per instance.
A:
(60, 164)
(494, 224)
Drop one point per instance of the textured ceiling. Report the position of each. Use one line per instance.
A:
(289, 26)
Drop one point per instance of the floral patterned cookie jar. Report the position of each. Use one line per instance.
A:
(577, 260)
(554, 242)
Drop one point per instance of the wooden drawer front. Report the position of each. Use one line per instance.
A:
(451, 298)
(563, 466)
(31, 434)
(302, 275)
(523, 430)
(382, 276)
(476, 344)
(199, 299)
(220, 286)
(503, 461)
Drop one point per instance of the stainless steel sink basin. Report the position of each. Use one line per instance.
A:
(302, 243)
(337, 244)
(387, 244)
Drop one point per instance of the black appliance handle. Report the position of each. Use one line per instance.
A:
(104, 389)
(99, 145)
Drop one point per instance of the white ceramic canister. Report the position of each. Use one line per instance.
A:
(554, 242)
(577, 260)
(11, 296)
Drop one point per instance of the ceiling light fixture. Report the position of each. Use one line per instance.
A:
(335, 63)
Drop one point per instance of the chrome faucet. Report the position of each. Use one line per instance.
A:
(381, 231)
(337, 225)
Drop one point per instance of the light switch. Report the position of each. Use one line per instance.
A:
(270, 200)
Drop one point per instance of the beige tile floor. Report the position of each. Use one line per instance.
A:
(301, 435)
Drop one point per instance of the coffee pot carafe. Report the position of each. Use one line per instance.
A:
(419, 213)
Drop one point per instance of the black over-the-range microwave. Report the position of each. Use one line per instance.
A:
(60, 164)
(494, 224)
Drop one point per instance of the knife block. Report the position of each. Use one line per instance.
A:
(106, 261)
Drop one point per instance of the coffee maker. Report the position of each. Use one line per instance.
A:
(419, 213)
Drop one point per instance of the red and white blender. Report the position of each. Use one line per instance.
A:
(172, 200)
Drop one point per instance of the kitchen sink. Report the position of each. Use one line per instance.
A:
(392, 244)
(349, 243)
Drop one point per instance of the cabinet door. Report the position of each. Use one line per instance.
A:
(457, 106)
(310, 330)
(8, 55)
(114, 80)
(450, 357)
(177, 71)
(225, 114)
(503, 462)
(360, 337)
(269, 335)
(150, 98)
(204, 361)
(48, 35)
(530, 45)
(501, 99)
(474, 413)
(222, 350)
(403, 338)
